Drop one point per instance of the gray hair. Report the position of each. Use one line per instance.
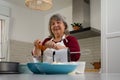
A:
(58, 17)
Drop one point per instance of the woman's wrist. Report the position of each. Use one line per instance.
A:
(36, 52)
(35, 56)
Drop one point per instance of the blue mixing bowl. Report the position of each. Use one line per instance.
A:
(55, 68)
(23, 69)
(33, 68)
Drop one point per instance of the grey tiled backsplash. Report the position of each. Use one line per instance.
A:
(90, 51)
(20, 51)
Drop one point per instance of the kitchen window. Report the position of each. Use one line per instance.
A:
(4, 42)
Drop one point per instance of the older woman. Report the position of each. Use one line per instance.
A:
(59, 39)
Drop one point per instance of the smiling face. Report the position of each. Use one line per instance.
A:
(57, 28)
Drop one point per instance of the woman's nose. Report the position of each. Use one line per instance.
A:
(56, 24)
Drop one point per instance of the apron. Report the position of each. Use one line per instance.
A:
(59, 56)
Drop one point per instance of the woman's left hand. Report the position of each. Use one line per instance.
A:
(51, 44)
(58, 46)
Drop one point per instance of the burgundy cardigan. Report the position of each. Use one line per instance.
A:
(72, 43)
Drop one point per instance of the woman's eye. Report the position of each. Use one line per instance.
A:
(53, 24)
(58, 22)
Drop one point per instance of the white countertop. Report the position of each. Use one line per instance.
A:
(84, 76)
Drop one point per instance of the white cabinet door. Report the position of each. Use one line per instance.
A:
(110, 21)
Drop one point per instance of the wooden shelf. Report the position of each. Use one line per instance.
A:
(85, 33)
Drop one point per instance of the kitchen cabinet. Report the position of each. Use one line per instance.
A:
(110, 48)
(85, 33)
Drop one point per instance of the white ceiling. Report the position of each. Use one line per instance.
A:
(57, 4)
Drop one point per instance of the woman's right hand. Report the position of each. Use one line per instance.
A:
(37, 43)
(37, 50)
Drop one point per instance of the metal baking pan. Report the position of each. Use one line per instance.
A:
(9, 67)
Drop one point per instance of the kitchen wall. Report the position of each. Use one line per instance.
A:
(27, 26)
(20, 51)
(95, 14)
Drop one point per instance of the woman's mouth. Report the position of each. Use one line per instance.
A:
(56, 28)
